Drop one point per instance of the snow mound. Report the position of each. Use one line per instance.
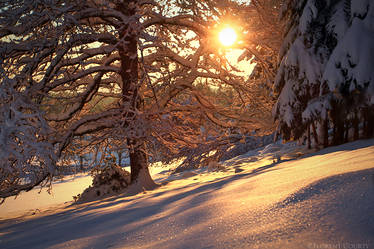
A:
(108, 181)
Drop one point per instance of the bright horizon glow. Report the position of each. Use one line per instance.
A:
(227, 36)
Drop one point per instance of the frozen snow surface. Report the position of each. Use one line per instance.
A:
(279, 196)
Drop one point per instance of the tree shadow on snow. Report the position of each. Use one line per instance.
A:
(356, 145)
(118, 216)
(98, 224)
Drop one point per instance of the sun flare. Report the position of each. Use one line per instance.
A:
(227, 36)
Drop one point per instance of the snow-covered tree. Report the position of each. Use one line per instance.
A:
(325, 76)
(349, 73)
(304, 53)
(112, 72)
(263, 38)
(25, 148)
(65, 57)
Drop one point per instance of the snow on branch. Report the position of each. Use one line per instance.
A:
(28, 158)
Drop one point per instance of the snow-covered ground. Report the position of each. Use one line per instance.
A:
(317, 200)
(38, 199)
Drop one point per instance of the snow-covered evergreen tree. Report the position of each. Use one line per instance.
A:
(325, 76)
(304, 53)
(349, 74)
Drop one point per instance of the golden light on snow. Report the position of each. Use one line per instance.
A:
(227, 36)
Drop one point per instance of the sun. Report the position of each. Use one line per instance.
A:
(227, 36)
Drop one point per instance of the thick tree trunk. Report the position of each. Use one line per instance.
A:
(140, 177)
(128, 52)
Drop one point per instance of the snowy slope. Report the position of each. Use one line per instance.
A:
(322, 200)
(37, 199)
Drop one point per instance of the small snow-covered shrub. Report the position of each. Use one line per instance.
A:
(108, 180)
(216, 166)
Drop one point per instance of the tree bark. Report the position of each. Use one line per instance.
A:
(340, 132)
(338, 124)
(119, 158)
(140, 175)
(370, 125)
(325, 132)
(128, 52)
(138, 160)
(309, 142)
(81, 163)
(346, 131)
(356, 127)
(315, 135)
